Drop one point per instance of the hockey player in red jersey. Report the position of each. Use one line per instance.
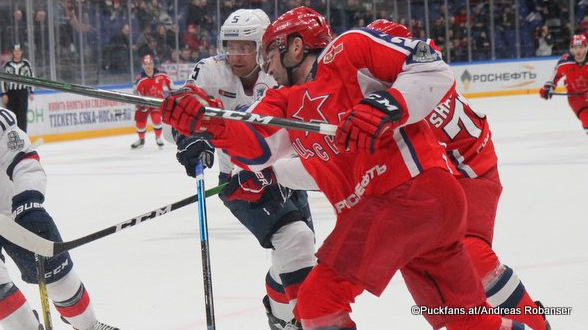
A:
(397, 205)
(22, 192)
(573, 66)
(150, 82)
(467, 139)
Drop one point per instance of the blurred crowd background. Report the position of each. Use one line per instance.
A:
(100, 41)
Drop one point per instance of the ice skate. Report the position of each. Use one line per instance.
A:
(37, 316)
(276, 323)
(102, 326)
(159, 142)
(138, 144)
(293, 325)
(97, 326)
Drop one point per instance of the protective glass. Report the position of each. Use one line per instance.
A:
(239, 48)
(263, 58)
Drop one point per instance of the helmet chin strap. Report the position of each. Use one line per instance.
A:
(253, 71)
(290, 69)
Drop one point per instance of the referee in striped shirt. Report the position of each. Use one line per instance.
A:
(16, 96)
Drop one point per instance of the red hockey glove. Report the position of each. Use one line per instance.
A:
(372, 118)
(184, 111)
(142, 108)
(546, 91)
(249, 186)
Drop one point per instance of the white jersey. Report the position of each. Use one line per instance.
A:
(214, 75)
(19, 163)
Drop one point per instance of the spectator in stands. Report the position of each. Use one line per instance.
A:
(174, 57)
(479, 21)
(198, 15)
(159, 14)
(227, 7)
(19, 29)
(582, 8)
(117, 54)
(438, 32)
(417, 28)
(204, 47)
(506, 32)
(186, 55)
(461, 16)
(68, 25)
(506, 19)
(41, 37)
(583, 27)
(534, 18)
(544, 42)
(481, 47)
(162, 44)
(144, 15)
(191, 37)
(144, 40)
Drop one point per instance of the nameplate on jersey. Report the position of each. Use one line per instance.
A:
(227, 94)
(423, 53)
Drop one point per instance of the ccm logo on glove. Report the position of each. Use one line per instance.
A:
(383, 102)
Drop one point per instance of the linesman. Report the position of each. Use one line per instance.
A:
(16, 96)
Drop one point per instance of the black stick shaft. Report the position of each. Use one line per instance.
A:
(61, 247)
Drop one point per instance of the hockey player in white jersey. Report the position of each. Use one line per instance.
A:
(22, 192)
(278, 217)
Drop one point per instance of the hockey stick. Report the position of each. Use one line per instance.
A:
(321, 128)
(206, 269)
(568, 94)
(20, 236)
(40, 261)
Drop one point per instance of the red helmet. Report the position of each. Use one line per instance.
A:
(311, 26)
(390, 28)
(578, 40)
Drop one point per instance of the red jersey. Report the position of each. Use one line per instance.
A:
(152, 86)
(465, 134)
(576, 74)
(355, 64)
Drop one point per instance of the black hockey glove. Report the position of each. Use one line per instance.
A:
(365, 123)
(547, 90)
(28, 211)
(192, 149)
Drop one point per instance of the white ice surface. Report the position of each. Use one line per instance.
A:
(149, 277)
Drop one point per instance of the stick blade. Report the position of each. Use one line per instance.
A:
(20, 236)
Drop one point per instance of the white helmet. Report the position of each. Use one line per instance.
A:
(244, 24)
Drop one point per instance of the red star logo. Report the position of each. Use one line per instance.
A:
(580, 83)
(310, 110)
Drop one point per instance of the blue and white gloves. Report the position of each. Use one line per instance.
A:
(192, 149)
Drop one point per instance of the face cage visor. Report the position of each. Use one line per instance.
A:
(236, 48)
